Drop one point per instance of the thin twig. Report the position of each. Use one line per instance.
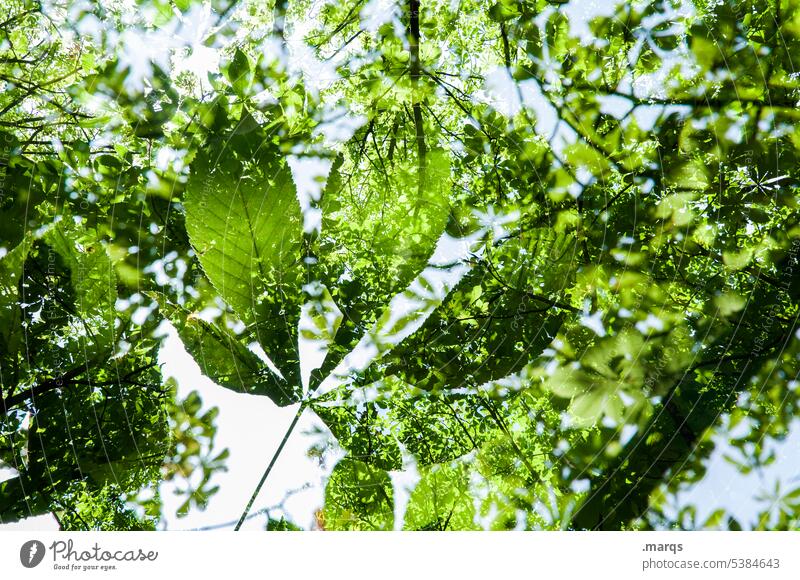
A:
(267, 471)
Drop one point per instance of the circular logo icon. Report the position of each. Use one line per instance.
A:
(31, 553)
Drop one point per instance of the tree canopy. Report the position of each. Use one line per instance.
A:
(543, 253)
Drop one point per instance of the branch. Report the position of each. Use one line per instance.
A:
(69, 378)
(40, 389)
(506, 50)
(416, 74)
(17, 16)
(538, 297)
(279, 18)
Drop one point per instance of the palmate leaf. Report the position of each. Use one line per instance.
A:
(401, 318)
(69, 286)
(243, 220)
(372, 423)
(319, 322)
(436, 429)
(397, 217)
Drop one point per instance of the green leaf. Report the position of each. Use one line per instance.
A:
(504, 10)
(442, 500)
(243, 221)
(376, 239)
(490, 326)
(92, 316)
(222, 356)
(358, 497)
(10, 271)
(91, 269)
(239, 72)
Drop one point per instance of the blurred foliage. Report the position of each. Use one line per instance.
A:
(544, 255)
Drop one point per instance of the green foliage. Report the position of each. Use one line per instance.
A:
(442, 500)
(358, 497)
(84, 509)
(191, 461)
(552, 266)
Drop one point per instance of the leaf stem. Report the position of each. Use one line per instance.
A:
(267, 471)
